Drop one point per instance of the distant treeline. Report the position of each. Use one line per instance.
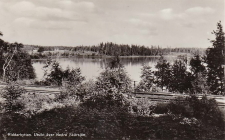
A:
(112, 49)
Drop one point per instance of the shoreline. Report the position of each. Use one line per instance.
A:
(102, 57)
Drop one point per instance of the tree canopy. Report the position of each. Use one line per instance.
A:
(215, 58)
(15, 63)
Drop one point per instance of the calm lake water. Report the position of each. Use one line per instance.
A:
(92, 67)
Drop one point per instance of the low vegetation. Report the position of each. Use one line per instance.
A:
(112, 115)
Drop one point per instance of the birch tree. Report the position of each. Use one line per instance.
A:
(12, 49)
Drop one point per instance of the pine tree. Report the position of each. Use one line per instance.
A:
(147, 79)
(163, 73)
(196, 65)
(198, 72)
(215, 59)
(179, 77)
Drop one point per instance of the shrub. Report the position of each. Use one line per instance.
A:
(11, 94)
(35, 103)
(161, 108)
(55, 75)
(205, 110)
(141, 107)
(97, 117)
(103, 115)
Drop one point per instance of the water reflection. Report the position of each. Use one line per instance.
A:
(91, 67)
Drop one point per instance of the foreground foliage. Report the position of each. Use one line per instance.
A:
(112, 115)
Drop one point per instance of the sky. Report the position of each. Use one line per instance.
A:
(167, 23)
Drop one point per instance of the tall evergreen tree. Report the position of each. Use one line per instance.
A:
(198, 73)
(196, 65)
(163, 73)
(215, 58)
(147, 79)
(179, 77)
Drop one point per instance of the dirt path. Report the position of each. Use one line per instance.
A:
(38, 89)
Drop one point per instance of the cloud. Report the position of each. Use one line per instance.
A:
(167, 14)
(142, 26)
(52, 25)
(200, 10)
(66, 2)
(188, 24)
(64, 10)
(139, 22)
(188, 18)
(83, 6)
(70, 22)
(41, 24)
(146, 15)
(195, 16)
(23, 8)
(23, 21)
(53, 14)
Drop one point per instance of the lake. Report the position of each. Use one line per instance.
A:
(92, 67)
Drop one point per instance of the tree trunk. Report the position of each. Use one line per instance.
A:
(3, 77)
(6, 64)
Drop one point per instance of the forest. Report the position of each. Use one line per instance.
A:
(109, 49)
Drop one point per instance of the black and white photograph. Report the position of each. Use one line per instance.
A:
(112, 70)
